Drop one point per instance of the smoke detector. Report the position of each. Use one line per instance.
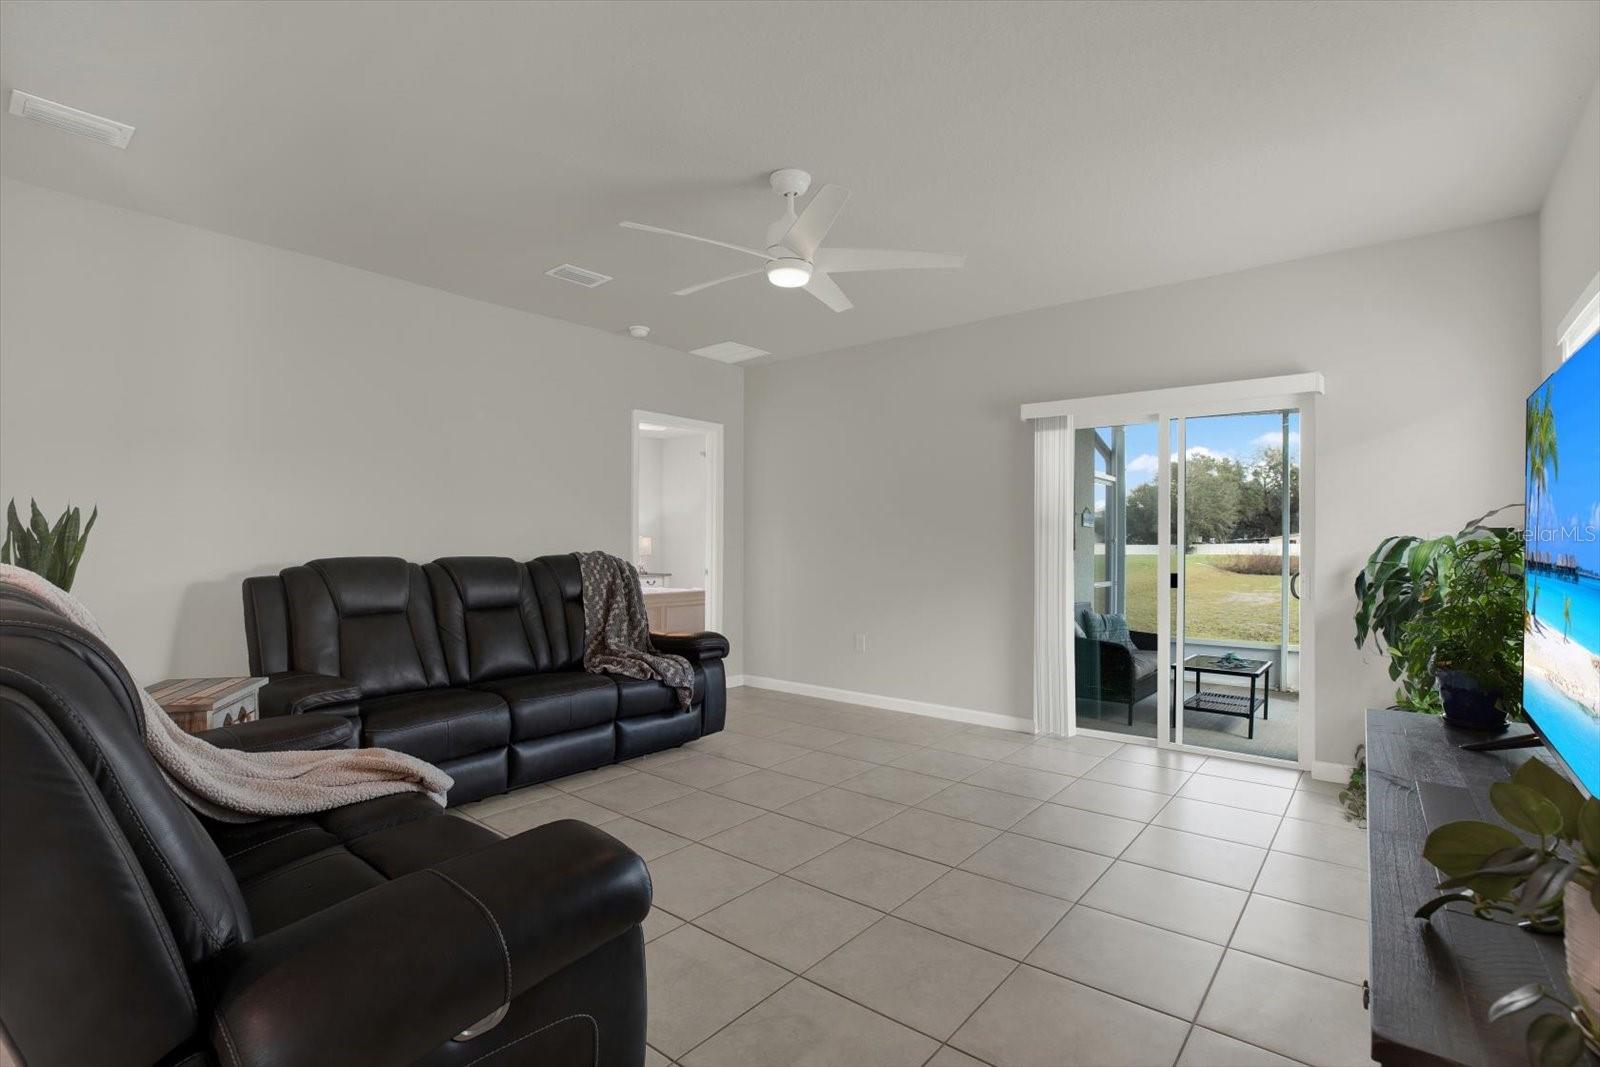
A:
(70, 119)
(641, 332)
(578, 275)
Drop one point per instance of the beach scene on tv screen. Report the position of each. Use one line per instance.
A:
(1561, 642)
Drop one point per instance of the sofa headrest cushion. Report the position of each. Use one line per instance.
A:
(485, 582)
(366, 585)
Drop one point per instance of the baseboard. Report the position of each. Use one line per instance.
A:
(733, 681)
(1324, 771)
(874, 700)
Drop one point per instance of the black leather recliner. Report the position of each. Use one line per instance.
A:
(473, 663)
(135, 932)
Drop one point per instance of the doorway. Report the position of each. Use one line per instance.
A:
(676, 540)
(1173, 555)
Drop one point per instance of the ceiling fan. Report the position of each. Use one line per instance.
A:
(794, 259)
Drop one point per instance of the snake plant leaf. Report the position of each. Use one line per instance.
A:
(1460, 848)
(38, 523)
(1517, 1000)
(1589, 832)
(80, 543)
(1544, 780)
(1554, 1041)
(1426, 911)
(22, 538)
(1543, 887)
(1525, 809)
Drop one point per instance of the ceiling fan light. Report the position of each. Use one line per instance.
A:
(788, 273)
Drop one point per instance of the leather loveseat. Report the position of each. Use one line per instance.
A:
(473, 663)
(380, 933)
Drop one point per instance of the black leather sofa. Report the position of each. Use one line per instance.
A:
(473, 663)
(135, 932)
(1111, 672)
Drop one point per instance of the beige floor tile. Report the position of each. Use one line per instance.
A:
(1308, 938)
(987, 807)
(931, 835)
(981, 911)
(872, 749)
(1056, 760)
(695, 879)
(1021, 781)
(1260, 773)
(1023, 737)
(634, 791)
(1207, 858)
(1138, 776)
(659, 922)
(550, 808)
(1037, 1018)
(761, 751)
(572, 783)
(1159, 757)
(756, 725)
(913, 975)
(985, 748)
(698, 983)
(698, 815)
(775, 841)
(788, 922)
(805, 1024)
(1345, 844)
(1079, 828)
(941, 764)
(953, 1057)
(827, 768)
(1041, 866)
(651, 760)
(1219, 820)
(1155, 967)
(1088, 746)
(1207, 1048)
(1312, 806)
(1307, 1017)
(869, 874)
(702, 771)
(1313, 785)
(650, 842)
(1316, 883)
(481, 809)
(895, 784)
(1252, 796)
(766, 789)
(841, 810)
(652, 1058)
(812, 737)
(1108, 799)
(1171, 901)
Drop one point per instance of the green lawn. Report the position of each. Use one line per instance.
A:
(1221, 604)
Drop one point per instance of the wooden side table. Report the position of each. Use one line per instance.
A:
(197, 704)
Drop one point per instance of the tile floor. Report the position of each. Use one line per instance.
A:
(849, 886)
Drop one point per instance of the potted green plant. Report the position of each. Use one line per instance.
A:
(1448, 611)
(1548, 887)
(52, 551)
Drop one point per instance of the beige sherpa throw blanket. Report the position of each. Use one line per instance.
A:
(234, 786)
(616, 630)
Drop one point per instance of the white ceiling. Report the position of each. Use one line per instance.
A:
(1071, 150)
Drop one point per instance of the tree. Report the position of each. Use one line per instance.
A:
(1213, 490)
(1541, 444)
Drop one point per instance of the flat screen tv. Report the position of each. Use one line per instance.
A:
(1561, 643)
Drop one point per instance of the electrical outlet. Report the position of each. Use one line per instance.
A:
(861, 642)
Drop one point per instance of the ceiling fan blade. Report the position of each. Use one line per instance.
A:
(703, 240)
(816, 220)
(827, 290)
(841, 260)
(717, 281)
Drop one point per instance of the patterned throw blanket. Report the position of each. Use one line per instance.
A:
(616, 630)
(234, 786)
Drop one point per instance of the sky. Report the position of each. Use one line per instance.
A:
(1572, 495)
(1238, 437)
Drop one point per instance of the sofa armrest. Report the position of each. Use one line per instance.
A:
(391, 974)
(696, 648)
(287, 733)
(297, 692)
(1143, 640)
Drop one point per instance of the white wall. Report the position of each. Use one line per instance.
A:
(234, 408)
(650, 503)
(890, 486)
(1569, 228)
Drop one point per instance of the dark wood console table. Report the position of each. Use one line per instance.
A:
(1432, 983)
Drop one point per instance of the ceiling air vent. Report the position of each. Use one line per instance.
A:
(578, 276)
(70, 119)
(729, 352)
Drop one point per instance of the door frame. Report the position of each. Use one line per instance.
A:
(1055, 674)
(712, 433)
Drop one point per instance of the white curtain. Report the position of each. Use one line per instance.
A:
(1053, 528)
